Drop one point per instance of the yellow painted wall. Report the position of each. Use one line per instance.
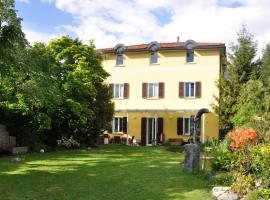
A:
(171, 69)
(210, 129)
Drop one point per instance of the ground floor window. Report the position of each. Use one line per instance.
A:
(117, 124)
(183, 126)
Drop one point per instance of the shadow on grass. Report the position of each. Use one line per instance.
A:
(111, 172)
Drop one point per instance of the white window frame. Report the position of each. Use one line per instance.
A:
(184, 125)
(189, 87)
(121, 88)
(118, 131)
(155, 90)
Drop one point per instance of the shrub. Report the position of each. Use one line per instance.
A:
(242, 183)
(241, 137)
(70, 143)
(260, 164)
(222, 155)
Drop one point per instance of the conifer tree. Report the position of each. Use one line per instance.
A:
(240, 69)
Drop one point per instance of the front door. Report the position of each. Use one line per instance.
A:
(151, 131)
(151, 128)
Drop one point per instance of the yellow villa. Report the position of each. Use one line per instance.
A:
(157, 87)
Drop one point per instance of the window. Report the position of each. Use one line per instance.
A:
(190, 56)
(119, 59)
(117, 124)
(183, 126)
(118, 91)
(186, 126)
(189, 89)
(152, 90)
(153, 58)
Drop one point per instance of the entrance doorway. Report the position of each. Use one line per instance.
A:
(150, 130)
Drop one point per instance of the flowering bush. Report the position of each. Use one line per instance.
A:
(241, 137)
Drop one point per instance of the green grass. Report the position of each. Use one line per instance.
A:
(109, 172)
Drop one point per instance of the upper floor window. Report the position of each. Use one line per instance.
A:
(153, 90)
(190, 56)
(153, 49)
(119, 90)
(119, 59)
(153, 58)
(190, 89)
(190, 45)
(119, 50)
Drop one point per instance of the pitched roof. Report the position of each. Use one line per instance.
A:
(169, 46)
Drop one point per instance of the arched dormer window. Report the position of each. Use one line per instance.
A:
(119, 50)
(153, 49)
(189, 46)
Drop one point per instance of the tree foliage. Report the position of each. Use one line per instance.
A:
(240, 68)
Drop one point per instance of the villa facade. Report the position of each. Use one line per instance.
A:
(157, 87)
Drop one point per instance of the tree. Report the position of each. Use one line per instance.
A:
(241, 68)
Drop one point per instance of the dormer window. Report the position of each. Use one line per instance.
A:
(190, 45)
(119, 50)
(119, 59)
(153, 49)
(190, 56)
(154, 58)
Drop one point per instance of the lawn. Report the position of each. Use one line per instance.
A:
(109, 172)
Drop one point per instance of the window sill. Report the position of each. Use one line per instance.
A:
(152, 98)
(190, 63)
(190, 98)
(119, 65)
(118, 98)
(153, 64)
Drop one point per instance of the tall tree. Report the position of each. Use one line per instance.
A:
(240, 68)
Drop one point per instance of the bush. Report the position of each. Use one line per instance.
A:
(260, 164)
(70, 143)
(222, 155)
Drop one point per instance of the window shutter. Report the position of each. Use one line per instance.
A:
(198, 89)
(144, 90)
(180, 126)
(160, 126)
(110, 127)
(111, 86)
(143, 131)
(181, 89)
(125, 124)
(161, 90)
(126, 91)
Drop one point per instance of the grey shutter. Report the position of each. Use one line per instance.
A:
(161, 89)
(180, 126)
(126, 91)
(143, 131)
(181, 89)
(198, 89)
(125, 124)
(144, 90)
(160, 126)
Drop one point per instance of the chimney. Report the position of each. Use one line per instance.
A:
(178, 39)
